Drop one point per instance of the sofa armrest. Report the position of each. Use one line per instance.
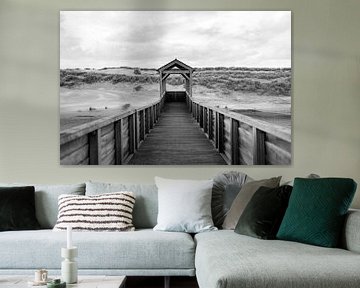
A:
(351, 234)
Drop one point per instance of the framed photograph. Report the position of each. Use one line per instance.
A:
(175, 88)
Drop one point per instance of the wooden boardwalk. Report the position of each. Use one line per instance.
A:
(176, 139)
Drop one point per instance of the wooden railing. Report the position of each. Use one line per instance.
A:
(110, 140)
(240, 139)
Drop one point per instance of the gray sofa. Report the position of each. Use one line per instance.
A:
(218, 259)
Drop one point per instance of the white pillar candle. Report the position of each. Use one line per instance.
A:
(69, 237)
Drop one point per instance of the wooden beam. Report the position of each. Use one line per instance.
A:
(151, 117)
(118, 142)
(95, 147)
(131, 122)
(258, 147)
(147, 121)
(182, 73)
(210, 125)
(216, 130)
(165, 77)
(221, 128)
(176, 71)
(235, 159)
(205, 119)
(143, 124)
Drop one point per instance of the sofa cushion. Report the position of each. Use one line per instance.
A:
(143, 249)
(350, 239)
(46, 200)
(184, 205)
(105, 212)
(317, 209)
(17, 208)
(146, 205)
(225, 259)
(263, 215)
(226, 187)
(243, 198)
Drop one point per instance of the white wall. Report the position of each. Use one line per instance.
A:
(326, 91)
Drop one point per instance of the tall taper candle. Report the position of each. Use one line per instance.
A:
(69, 237)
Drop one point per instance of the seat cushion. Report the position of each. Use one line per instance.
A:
(144, 249)
(225, 259)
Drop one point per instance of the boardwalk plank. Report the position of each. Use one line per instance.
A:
(176, 139)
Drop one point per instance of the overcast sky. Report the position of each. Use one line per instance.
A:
(99, 39)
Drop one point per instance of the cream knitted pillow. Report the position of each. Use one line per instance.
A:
(105, 212)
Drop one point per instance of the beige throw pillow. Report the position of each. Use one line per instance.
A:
(104, 212)
(243, 198)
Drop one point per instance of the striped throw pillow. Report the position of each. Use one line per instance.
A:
(105, 212)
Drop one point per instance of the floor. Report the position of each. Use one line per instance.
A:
(158, 282)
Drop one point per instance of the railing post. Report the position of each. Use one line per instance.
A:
(221, 136)
(118, 142)
(198, 113)
(205, 126)
(216, 130)
(235, 142)
(147, 121)
(142, 125)
(155, 113)
(95, 147)
(136, 128)
(201, 116)
(151, 117)
(210, 133)
(131, 134)
(258, 147)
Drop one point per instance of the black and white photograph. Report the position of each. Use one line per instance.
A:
(175, 88)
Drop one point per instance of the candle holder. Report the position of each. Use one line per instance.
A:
(69, 271)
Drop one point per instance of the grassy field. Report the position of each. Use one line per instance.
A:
(90, 94)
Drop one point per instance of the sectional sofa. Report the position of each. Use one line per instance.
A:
(219, 259)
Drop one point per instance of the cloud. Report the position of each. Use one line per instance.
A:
(150, 39)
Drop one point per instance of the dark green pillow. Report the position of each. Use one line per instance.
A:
(263, 214)
(17, 208)
(316, 211)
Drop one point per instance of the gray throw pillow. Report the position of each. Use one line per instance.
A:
(226, 187)
(184, 205)
(310, 176)
(146, 204)
(242, 199)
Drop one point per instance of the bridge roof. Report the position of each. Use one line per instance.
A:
(176, 63)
